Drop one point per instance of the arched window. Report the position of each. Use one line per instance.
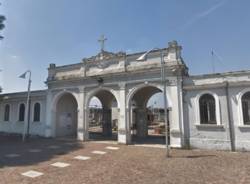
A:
(21, 112)
(37, 110)
(207, 109)
(246, 108)
(7, 112)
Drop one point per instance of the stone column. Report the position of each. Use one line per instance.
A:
(124, 136)
(141, 123)
(50, 116)
(85, 116)
(176, 114)
(106, 122)
(80, 115)
(86, 122)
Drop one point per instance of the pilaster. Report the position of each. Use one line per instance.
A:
(176, 116)
(123, 128)
(80, 115)
(49, 115)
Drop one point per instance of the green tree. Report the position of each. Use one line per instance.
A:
(2, 26)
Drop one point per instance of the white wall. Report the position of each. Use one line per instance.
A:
(66, 116)
(216, 136)
(204, 136)
(242, 132)
(13, 125)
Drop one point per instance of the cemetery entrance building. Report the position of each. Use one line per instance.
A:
(204, 111)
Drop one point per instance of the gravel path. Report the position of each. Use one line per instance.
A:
(128, 164)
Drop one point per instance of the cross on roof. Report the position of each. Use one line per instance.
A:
(102, 42)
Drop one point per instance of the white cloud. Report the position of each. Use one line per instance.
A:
(13, 56)
(204, 14)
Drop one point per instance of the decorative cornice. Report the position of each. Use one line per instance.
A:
(103, 56)
(103, 60)
(216, 85)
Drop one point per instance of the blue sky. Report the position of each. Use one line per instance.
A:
(39, 32)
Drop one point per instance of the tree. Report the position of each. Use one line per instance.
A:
(2, 19)
(2, 26)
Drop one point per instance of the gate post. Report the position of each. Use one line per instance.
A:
(50, 116)
(80, 116)
(123, 127)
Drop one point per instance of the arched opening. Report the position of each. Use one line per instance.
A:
(21, 112)
(246, 108)
(147, 116)
(37, 112)
(207, 109)
(103, 116)
(7, 112)
(66, 116)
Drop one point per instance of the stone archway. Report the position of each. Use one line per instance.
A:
(102, 122)
(143, 127)
(66, 108)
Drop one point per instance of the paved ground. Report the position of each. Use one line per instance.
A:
(128, 164)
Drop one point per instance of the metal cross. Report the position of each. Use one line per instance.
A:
(102, 42)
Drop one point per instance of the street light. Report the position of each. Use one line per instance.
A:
(27, 113)
(163, 80)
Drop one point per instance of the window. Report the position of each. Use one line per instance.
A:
(207, 109)
(21, 112)
(37, 109)
(7, 112)
(246, 108)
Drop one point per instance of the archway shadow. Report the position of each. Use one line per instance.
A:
(14, 152)
(98, 136)
(199, 156)
(192, 156)
(150, 139)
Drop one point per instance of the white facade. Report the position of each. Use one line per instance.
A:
(14, 100)
(228, 109)
(121, 78)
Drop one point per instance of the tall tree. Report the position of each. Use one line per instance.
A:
(2, 19)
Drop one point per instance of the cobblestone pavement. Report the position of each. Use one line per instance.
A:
(71, 162)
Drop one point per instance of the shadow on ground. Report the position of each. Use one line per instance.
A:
(14, 152)
(150, 139)
(98, 136)
(199, 156)
(192, 156)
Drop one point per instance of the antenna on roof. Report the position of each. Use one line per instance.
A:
(213, 63)
(214, 57)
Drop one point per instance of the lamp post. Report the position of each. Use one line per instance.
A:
(27, 113)
(163, 80)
